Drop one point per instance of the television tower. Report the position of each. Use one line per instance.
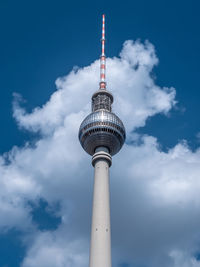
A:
(101, 134)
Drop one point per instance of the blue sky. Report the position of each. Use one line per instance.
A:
(41, 41)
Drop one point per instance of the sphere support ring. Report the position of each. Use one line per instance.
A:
(101, 155)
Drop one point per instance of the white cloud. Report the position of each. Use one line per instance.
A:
(154, 194)
(184, 260)
(158, 197)
(49, 250)
(137, 96)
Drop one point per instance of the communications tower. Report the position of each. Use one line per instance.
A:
(101, 134)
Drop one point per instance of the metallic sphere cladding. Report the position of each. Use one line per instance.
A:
(102, 128)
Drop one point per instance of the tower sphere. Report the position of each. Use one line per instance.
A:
(102, 128)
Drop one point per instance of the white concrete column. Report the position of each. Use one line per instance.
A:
(100, 247)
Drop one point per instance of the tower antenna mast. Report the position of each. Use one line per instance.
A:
(103, 57)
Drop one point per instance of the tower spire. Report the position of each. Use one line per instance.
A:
(103, 58)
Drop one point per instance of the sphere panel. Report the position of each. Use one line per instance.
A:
(102, 128)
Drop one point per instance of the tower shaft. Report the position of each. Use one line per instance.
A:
(100, 249)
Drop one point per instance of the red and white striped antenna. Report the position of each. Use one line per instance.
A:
(103, 58)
